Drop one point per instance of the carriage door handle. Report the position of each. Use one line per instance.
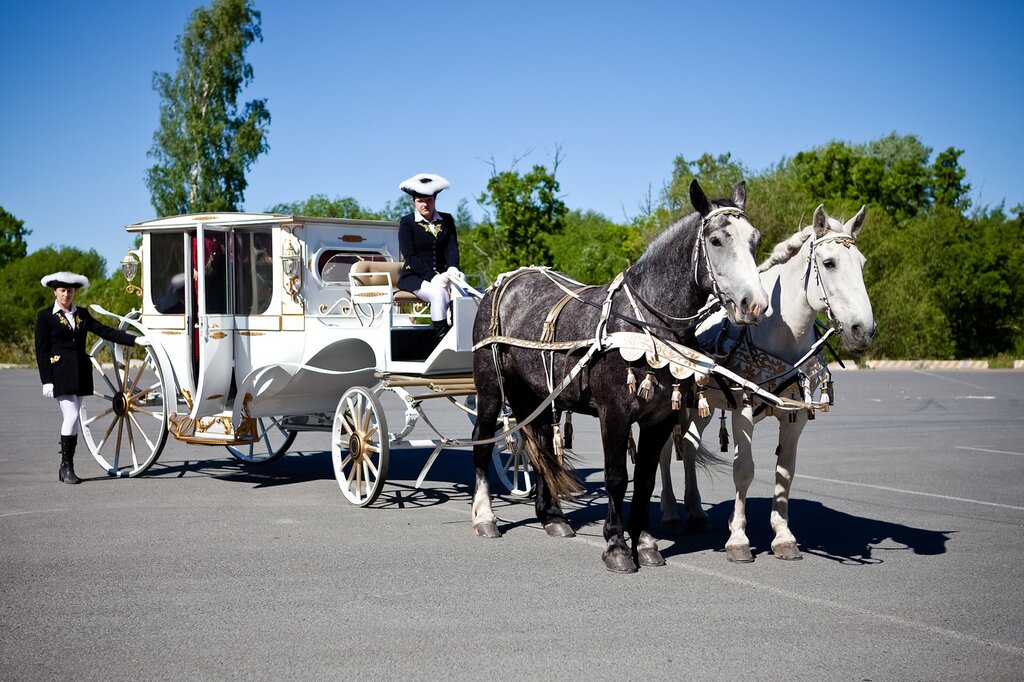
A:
(204, 327)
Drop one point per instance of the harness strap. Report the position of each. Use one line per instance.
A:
(548, 332)
(501, 286)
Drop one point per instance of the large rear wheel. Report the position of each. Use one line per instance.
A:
(124, 421)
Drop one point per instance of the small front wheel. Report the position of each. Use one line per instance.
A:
(271, 442)
(513, 466)
(359, 446)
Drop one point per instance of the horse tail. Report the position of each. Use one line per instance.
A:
(708, 460)
(557, 471)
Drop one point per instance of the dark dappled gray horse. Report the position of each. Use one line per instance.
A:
(534, 326)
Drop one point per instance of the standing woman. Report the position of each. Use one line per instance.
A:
(64, 366)
(429, 248)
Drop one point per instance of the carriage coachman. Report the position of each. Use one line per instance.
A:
(265, 325)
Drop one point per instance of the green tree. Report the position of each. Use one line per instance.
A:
(12, 238)
(948, 186)
(717, 176)
(591, 248)
(204, 145)
(320, 205)
(526, 211)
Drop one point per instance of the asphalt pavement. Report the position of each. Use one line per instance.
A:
(908, 506)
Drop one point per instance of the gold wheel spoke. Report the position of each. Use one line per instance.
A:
(142, 432)
(117, 446)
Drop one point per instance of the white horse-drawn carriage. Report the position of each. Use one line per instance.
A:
(266, 325)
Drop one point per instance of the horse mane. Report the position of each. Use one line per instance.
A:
(666, 239)
(785, 250)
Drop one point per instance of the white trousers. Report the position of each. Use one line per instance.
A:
(436, 293)
(69, 409)
(437, 297)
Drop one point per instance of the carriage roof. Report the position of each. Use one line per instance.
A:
(192, 220)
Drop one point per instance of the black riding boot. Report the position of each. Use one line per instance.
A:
(67, 459)
(440, 328)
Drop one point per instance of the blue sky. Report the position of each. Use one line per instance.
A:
(363, 95)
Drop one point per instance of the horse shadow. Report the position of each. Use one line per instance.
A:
(821, 531)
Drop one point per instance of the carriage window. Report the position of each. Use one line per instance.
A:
(334, 265)
(215, 270)
(254, 272)
(167, 275)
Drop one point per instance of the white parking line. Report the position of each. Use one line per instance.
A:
(998, 452)
(33, 511)
(910, 492)
(869, 614)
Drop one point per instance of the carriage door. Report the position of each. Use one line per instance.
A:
(213, 328)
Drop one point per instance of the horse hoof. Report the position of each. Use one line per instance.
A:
(488, 529)
(619, 562)
(559, 529)
(698, 524)
(787, 551)
(739, 555)
(672, 527)
(650, 557)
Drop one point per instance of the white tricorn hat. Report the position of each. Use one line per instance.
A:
(65, 280)
(424, 185)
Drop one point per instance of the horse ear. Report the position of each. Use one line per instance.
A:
(699, 199)
(857, 221)
(739, 195)
(820, 221)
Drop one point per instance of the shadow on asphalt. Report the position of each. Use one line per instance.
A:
(820, 530)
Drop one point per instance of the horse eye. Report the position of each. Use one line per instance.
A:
(715, 241)
(829, 264)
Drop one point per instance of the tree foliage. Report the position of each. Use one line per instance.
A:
(527, 212)
(204, 144)
(12, 238)
(946, 279)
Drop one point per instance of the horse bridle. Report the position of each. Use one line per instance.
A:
(812, 264)
(700, 245)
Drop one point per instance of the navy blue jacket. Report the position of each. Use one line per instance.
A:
(60, 351)
(424, 254)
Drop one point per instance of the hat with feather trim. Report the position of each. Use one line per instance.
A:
(65, 280)
(424, 185)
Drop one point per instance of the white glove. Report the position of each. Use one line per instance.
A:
(143, 341)
(453, 273)
(440, 280)
(47, 390)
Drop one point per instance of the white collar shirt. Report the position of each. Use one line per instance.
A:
(69, 314)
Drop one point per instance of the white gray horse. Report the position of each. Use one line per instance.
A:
(784, 356)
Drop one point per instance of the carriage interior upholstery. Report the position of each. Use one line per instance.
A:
(374, 273)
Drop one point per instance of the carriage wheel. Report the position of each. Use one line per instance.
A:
(359, 446)
(272, 442)
(124, 422)
(512, 465)
(510, 462)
